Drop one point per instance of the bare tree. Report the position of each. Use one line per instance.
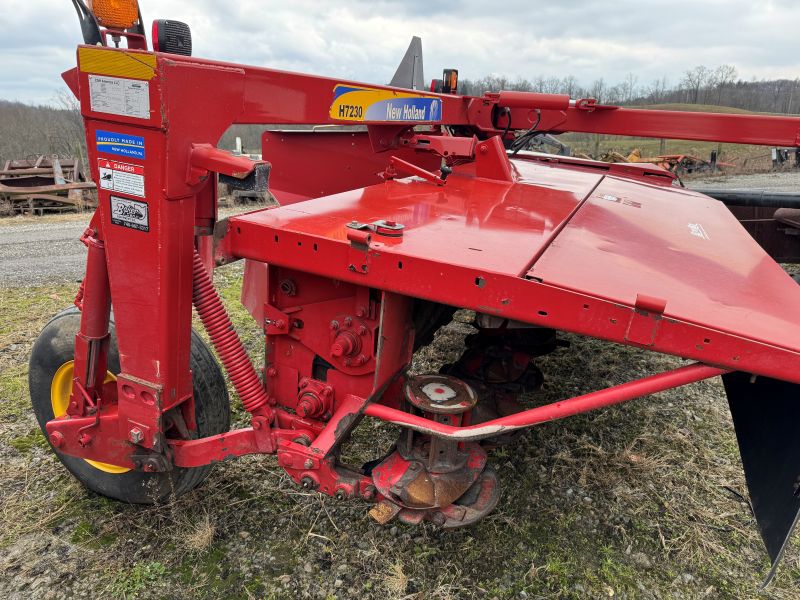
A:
(628, 87)
(694, 80)
(722, 77)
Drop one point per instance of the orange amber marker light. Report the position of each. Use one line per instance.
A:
(115, 14)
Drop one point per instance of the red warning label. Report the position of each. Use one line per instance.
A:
(121, 177)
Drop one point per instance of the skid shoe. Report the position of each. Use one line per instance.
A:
(433, 479)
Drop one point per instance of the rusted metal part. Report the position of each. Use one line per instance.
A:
(45, 184)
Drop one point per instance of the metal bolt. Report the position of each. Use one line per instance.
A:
(362, 359)
(150, 466)
(256, 424)
(361, 311)
(272, 372)
(341, 494)
(334, 324)
(57, 439)
(135, 435)
(348, 321)
(84, 439)
(307, 483)
(363, 330)
(308, 464)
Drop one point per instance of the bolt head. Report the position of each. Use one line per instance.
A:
(57, 439)
(308, 464)
(334, 325)
(135, 435)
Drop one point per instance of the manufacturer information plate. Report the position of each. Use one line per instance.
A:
(121, 177)
(130, 213)
(119, 96)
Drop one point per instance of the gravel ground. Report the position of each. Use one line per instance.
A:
(35, 251)
(788, 181)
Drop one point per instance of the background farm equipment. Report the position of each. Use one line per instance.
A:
(45, 183)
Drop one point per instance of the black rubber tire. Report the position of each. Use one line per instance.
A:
(55, 346)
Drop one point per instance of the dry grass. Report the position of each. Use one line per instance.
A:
(642, 500)
(200, 535)
(396, 581)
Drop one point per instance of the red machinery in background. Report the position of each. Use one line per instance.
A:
(381, 232)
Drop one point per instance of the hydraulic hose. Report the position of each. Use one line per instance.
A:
(225, 340)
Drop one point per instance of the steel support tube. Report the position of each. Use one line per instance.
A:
(550, 412)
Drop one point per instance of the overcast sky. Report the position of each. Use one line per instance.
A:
(364, 40)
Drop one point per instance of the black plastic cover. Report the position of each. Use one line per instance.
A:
(172, 37)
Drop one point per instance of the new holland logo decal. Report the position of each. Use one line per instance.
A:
(370, 104)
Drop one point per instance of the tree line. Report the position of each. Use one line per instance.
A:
(701, 85)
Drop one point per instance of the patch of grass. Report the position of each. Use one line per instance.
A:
(141, 577)
(33, 439)
(89, 535)
(14, 401)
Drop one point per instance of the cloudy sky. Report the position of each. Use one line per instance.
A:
(364, 40)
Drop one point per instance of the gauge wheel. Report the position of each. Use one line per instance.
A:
(50, 382)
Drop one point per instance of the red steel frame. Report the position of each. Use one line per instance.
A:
(346, 296)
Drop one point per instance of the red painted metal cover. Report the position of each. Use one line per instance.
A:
(486, 225)
(680, 247)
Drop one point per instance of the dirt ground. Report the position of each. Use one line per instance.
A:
(642, 500)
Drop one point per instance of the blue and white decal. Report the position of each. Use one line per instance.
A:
(121, 144)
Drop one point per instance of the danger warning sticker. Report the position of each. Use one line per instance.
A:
(121, 177)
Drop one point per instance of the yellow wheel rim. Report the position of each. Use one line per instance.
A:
(60, 390)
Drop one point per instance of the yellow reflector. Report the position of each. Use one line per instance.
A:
(116, 14)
